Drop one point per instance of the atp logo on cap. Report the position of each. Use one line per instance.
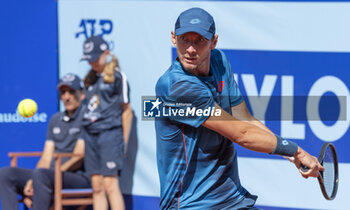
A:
(88, 47)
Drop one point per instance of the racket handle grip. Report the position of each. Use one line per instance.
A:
(304, 168)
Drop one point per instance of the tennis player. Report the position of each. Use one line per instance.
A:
(197, 161)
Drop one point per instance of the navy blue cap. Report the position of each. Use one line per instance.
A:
(93, 47)
(195, 20)
(72, 81)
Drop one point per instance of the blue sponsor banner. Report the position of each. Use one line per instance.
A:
(28, 60)
(288, 86)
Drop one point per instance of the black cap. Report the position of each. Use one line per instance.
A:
(93, 47)
(72, 81)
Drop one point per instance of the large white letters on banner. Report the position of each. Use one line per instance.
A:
(259, 101)
(321, 86)
(289, 129)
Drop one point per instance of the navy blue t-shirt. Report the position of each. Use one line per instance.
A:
(197, 167)
(104, 109)
(64, 131)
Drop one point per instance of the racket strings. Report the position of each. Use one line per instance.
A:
(329, 172)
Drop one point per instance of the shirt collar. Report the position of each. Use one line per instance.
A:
(65, 117)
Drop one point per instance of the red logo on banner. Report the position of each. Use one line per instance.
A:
(221, 86)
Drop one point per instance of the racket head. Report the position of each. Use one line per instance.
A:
(329, 178)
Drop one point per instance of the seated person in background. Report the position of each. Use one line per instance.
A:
(63, 136)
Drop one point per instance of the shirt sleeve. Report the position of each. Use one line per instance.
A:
(234, 92)
(235, 95)
(187, 101)
(124, 88)
(49, 132)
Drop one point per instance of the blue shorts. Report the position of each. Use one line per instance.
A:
(104, 152)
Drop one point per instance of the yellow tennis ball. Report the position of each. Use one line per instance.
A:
(27, 107)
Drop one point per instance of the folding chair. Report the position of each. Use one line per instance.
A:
(62, 197)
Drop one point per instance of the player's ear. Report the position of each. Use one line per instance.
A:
(214, 41)
(173, 38)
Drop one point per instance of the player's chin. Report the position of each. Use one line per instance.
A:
(189, 66)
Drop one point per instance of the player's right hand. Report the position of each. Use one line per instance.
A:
(28, 188)
(302, 157)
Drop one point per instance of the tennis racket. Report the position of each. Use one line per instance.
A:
(329, 178)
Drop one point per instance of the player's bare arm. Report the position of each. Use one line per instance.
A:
(256, 138)
(242, 113)
(241, 132)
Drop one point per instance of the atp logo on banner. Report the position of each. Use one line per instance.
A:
(94, 27)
